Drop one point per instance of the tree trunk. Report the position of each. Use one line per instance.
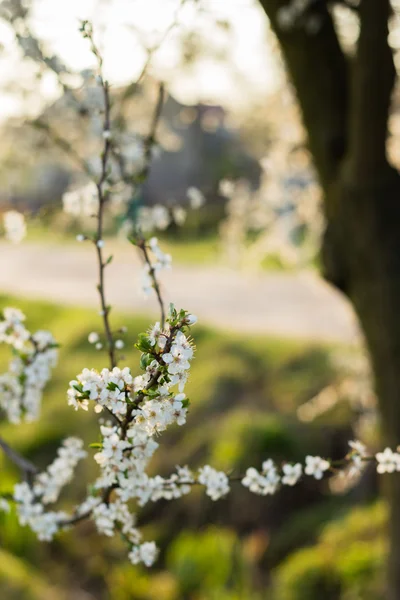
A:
(345, 105)
(365, 228)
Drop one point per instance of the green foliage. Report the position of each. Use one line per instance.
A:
(202, 559)
(246, 435)
(238, 415)
(347, 563)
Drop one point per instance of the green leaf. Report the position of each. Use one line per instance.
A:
(145, 360)
(112, 386)
(96, 445)
(143, 343)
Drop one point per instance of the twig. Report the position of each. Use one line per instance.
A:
(27, 467)
(102, 196)
(150, 138)
(142, 246)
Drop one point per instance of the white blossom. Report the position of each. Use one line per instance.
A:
(47, 485)
(145, 553)
(156, 217)
(179, 214)
(291, 474)
(196, 198)
(82, 201)
(316, 466)
(93, 337)
(216, 482)
(265, 483)
(14, 225)
(388, 461)
(21, 387)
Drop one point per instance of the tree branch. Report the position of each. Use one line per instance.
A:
(26, 467)
(318, 68)
(373, 81)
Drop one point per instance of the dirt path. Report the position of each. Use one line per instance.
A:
(290, 305)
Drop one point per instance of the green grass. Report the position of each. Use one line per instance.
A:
(243, 394)
(184, 250)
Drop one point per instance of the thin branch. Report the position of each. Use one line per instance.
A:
(26, 467)
(142, 246)
(102, 197)
(150, 138)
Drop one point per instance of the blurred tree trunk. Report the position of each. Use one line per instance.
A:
(345, 106)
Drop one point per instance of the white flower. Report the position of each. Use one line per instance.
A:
(80, 237)
(4, 505)
(388, 461)
(100, 243)
(179, 214)
(195, 197)
(291, 473)
(161, 218)
(119, 344)
(264, 483)
(22, 386)
(358, 447)
(14, 225)
(226, 187)
(157, 217)
(216, 482)
(316, 466)
(155, 333)
(113, 449)
(176, 361)
(93, 337)
(145, 553)
(48, 484)
(253, 480)
(81, 201)
(191, 319)
(107, 134)
(99, 346)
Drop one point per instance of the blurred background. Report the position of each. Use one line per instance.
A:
(280, 369)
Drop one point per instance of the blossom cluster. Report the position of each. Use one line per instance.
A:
(271, 477)
(141, 407)
(21, 387)
(45, 489)
(160, 217)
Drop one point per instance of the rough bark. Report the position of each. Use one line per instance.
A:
(345, 112)
(372, 224)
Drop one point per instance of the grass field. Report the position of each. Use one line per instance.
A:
(184, 250)
(243, 396)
